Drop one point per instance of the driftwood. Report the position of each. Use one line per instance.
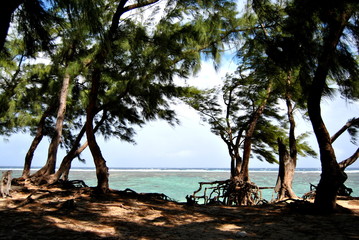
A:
(5, 185)
(227, 192)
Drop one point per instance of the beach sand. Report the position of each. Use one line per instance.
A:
(54, 213)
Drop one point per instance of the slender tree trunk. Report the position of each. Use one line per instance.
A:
(36, 141)
(237, 166)
(64, 169)
(240, 189)
(244, 173)
(50, 165)
(54, 145)
(233, 166)
(100, 163)
(6, 11)
(292, 140)
(66, 161)
(332, 177)
(287, 161)
(285, 174)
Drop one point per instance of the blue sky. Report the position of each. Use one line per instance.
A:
(189, 145)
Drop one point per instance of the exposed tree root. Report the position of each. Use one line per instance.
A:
(228, 192)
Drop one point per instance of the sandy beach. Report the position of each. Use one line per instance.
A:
(54, 213)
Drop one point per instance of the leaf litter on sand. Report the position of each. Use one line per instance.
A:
(81, 214)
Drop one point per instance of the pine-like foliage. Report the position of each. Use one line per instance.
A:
(137, 61)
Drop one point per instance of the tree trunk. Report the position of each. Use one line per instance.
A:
(100, 163)
(287, 160)
(6, 11)
(244, 173)
(292, 140)
(237, 166)
(64, 169)
(233, 166)
(241, 190)
(34, 144)
(66, 161)
(332, 177)
(286, 173)
(50, 165)
(54, 145)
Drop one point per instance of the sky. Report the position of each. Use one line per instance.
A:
(188, 145)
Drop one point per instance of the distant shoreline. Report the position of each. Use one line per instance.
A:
(117, 169)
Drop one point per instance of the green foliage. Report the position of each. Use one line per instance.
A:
(303, 148)
(260, 79)
(299, 40)
(242, 97)
(140, 62)
(34, 24)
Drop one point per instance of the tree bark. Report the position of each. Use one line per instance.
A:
(6, 11)
(292, 140)
(244, 172)
(349, 161)
(66, 161)
(352, 159)
(285, 174)
(332, 177)
(287, 160)
(35, 142)
(54, 145)
(50, 165)
(100, 163)
(344, 128)
(75, 151)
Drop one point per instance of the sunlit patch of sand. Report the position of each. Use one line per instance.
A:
(82, 226)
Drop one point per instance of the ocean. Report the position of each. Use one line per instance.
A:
(178, 183)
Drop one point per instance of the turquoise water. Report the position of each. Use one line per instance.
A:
(176, 183)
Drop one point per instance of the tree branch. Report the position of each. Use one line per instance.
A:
(139, 5)
(344, 128)
(121, 9)
(349, 161)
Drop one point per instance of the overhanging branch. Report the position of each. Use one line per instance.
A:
(349, 161)
(344, 128)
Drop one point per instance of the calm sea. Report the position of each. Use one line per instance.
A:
(177, 183)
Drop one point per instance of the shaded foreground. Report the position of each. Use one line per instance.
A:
(54, 213)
